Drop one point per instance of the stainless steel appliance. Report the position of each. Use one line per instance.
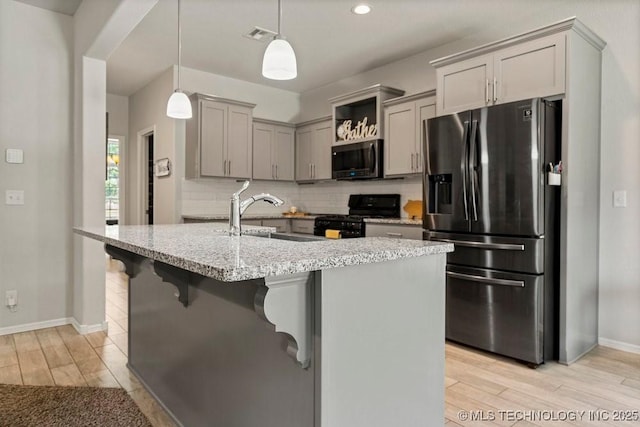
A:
(485, 191)
(361, 206)
(357, 160)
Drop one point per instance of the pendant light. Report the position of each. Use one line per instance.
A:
(279, 62)
(179, 106)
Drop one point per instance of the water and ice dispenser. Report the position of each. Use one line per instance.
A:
(439, 194)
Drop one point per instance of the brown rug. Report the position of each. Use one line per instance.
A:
(28, 406)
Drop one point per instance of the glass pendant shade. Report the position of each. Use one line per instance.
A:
(279, 62)
(179, 106)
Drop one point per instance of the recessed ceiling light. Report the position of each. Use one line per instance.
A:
(361, 9)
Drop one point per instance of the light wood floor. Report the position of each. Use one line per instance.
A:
(604, 380)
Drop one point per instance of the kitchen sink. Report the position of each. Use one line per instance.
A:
(293, 237)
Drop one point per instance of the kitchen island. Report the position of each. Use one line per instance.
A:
(257, 331)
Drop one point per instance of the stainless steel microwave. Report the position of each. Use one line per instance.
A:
(357, 160)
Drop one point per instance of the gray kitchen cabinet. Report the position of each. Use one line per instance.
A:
(313, 150)
(519, 70)
(281, 225)
(218, 139)
(403, 132)
(273, 150)
(398, 231)
(303, 226)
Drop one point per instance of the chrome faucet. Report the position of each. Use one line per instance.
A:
(237, 207)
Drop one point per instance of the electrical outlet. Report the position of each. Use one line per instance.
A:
(11, 298)
(620, 199)
(14, 197)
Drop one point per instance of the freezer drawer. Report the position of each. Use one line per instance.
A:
(496, 311)
(525, 255)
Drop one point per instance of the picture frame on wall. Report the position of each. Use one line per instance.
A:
(162, 167)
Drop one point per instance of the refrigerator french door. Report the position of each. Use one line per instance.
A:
(484, 185)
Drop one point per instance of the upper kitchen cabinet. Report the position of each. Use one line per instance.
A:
(273, 150)
(313, 150)
(403, 132)
(357, 116)
(219, 138)
(526, 66)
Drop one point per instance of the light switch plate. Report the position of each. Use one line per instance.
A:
(14, 197)
(14, 155)
(620, 198)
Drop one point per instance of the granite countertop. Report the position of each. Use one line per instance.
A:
(398, 221)
(222, 217)
(208, 250)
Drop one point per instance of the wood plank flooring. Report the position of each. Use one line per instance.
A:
(481, 389)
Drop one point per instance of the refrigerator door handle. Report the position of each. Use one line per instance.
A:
(487, 280)
(465, 168)
(473, 168)
(482, 245)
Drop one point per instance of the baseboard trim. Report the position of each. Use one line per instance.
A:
(88, 329)
(82, 329)
(619, 345)
(35, 326)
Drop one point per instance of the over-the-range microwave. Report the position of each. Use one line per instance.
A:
(357, 160)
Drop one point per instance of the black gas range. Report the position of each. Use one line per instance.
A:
(361, 206)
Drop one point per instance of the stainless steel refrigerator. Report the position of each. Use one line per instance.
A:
(485, 190)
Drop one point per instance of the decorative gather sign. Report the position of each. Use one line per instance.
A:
(362, 130)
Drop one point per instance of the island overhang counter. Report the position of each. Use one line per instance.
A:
(253, 331)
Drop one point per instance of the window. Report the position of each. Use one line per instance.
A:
(112, 182)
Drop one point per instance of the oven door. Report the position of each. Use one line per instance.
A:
(359, 160)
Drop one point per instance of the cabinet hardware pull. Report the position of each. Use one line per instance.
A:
(487, 280)
(313, 170)
(495, 89)
(412, 168)
(418, 162)
(276, 171)
(310, 171)
(224, 172)
(229, 167)
(486, 91)
(394, 234)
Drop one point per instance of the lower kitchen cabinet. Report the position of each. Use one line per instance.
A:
(303, 226)
(398, 231)
(281, 225)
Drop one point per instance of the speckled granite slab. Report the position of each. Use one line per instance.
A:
(397, 221)
(207, 250)
(216, 217)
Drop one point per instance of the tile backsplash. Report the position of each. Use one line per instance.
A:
(211, 196)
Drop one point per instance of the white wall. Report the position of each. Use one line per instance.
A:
(118, 109)
(36, 53)
(147, 109)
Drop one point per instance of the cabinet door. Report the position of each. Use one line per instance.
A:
(304, 226)
(425, 109)
(284, 153)
(263, 142)
(239, 142)
(394, 231)
(321, 151)
(400, 139)
(530, 70)
(304, 136)
(464, 85)
(213, 129)
(281, 225)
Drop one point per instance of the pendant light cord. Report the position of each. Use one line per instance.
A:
(180, 46)
(279, 17)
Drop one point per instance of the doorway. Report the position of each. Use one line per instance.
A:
(144, 172)
(149, 170)
(115, 180)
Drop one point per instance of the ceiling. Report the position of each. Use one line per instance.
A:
(330, 42)
(68, 7)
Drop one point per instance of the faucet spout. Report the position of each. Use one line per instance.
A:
(237, 207)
